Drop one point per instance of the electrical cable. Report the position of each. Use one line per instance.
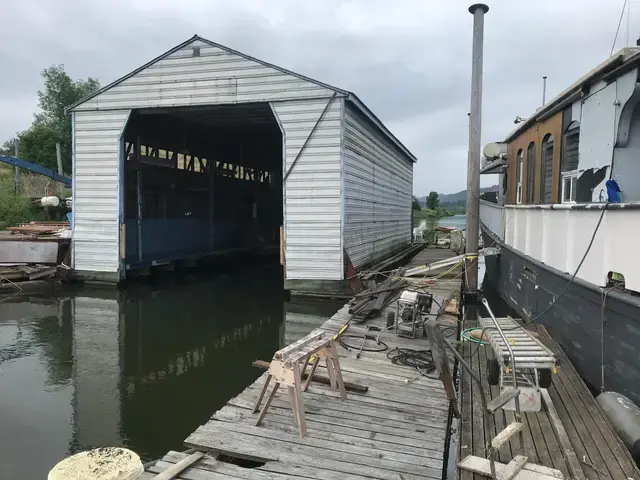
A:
(421, 360)
(381, 346)
(465, 335)
(615, 39)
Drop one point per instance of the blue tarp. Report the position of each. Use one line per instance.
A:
(613, 191)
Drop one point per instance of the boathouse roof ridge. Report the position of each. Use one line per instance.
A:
(614, 66)
(348, 95)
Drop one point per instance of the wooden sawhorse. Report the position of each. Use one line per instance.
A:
(286, 370)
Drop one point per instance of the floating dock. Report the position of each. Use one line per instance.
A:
(570, 436)
(401, 427)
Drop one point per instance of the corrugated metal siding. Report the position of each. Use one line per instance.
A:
(96, 203)
(214, 77)
(378, 182)
(312, 190)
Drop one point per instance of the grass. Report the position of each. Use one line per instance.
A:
(33, 185)
(15, 209)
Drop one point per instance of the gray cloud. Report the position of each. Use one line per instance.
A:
(409, 60)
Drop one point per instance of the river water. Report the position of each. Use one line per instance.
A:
(141, 367)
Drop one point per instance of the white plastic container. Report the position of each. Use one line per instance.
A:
(49, 201)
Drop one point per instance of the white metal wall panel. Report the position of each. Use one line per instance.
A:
(492, 216)
(96, 203)
(378, 181)
(313, 246)
(570, 231)
(215, 76)
(625, 164)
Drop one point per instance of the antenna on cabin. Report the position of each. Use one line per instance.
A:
(544, 89)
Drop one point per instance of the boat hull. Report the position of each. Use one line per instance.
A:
(576, 320)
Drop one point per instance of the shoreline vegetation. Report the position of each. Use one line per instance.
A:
(434, 209)
(438, 212)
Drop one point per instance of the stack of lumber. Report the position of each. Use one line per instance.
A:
(36, 229)
(371, 302)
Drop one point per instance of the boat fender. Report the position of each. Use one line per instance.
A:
(624, 415)
(49, 201)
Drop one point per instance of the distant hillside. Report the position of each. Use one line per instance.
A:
(459, 197)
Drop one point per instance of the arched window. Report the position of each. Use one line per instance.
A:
(546, 175)
(519, 177)
(570, 160)
(531, 171)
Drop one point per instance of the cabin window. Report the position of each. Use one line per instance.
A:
(531, 171)
(546, 176)
(569, 183)
(519, 177)
(571, 147)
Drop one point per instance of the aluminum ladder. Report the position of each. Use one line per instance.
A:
(492, 446)
(535, 362)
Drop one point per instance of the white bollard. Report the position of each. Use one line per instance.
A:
(107, 463)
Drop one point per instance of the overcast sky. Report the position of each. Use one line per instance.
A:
(408, 60)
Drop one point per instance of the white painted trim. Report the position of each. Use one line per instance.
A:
(121, 192)
(342, 201)
(282, 184)
(73, 188)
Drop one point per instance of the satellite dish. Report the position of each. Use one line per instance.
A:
(491, 151)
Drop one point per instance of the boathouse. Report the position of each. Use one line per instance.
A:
(206, 151)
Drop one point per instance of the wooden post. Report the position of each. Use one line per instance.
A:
(16, 179)
(473, 160)
(139, 198)
(282, 245)
(441, 362)
(211, 167)
(59, 158)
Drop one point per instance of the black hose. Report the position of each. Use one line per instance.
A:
(380, 345)
(421, 360)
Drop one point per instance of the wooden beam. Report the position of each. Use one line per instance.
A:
(567, 449)
(441, 362)
(176, 469)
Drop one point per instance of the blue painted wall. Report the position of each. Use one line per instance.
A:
(164, 238)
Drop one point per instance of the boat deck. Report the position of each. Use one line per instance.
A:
(397, 429)
(591, 447)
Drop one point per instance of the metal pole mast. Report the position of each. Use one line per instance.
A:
(473, 165)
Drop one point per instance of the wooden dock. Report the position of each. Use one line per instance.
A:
(396, 430)
(589, 448)
(400, 427)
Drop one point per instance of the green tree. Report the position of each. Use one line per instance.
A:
(38, 145)
(416, 204)
(8, 147)
(433, 200)
(51, 124)
(59, 92)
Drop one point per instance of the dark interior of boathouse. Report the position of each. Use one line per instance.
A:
(201, 182)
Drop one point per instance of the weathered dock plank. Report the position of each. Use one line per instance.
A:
(397, 429)
(597, 447)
